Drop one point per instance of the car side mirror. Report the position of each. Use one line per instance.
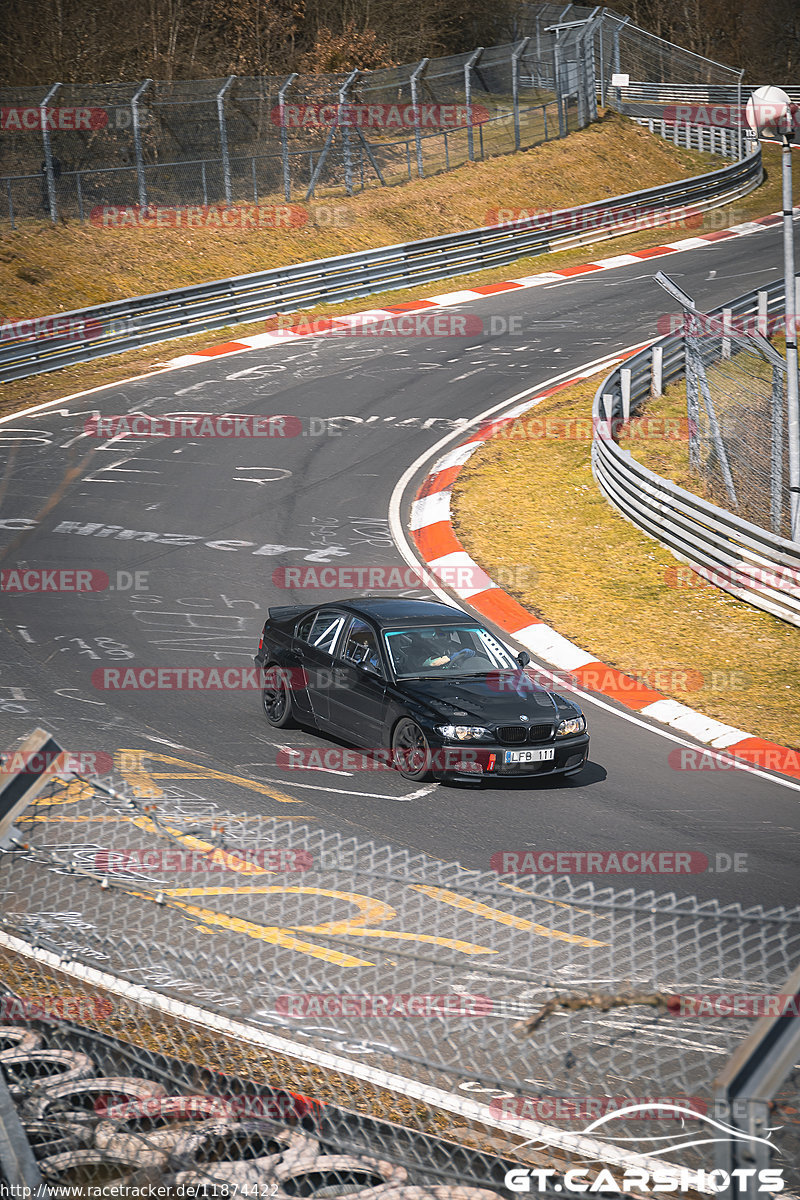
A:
(523, 658)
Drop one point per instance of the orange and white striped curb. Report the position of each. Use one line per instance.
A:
(437, 545)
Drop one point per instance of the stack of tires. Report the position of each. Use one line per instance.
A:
(118, 1132)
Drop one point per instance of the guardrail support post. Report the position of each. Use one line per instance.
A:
(416, 75)
(727, 318)
(137, 144)
(516, 55)
(468, 65)
(657, 371)
(625, 388)
(763, 327)
(287, 177)
(223, 140)
(48, 155)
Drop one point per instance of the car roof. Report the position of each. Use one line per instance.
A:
(401, 610)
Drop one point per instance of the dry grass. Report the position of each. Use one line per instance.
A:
(533, 502)
(46, 269)
(553, 179)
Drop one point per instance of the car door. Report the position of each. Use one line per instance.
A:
(358, 695)
(314, 650)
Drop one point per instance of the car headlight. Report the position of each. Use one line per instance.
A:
(463, 733)
(573, 725)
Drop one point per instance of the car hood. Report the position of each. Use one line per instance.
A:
(496, 699)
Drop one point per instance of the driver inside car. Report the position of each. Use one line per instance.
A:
(444, 653)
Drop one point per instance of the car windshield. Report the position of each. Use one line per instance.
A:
(435, 650)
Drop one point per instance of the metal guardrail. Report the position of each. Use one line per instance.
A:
(127, 324)
(693, 93)
(750, 563)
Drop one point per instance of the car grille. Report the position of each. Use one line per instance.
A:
(511, 735)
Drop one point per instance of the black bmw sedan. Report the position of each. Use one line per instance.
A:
(419, 685)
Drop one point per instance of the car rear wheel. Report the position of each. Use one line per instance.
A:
(411, 753)
(276, 698)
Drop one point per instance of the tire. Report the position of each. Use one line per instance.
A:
(376, 1179)
(276, 701)
(86, 1100)
(47, 1138)
(105, 1172)
(411, 753)
(220, 1146)
(157, 1123)
(16, 1039)
(40, 1070)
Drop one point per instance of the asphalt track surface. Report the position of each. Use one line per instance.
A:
(322, 498)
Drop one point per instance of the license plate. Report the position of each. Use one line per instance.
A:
(546, 754)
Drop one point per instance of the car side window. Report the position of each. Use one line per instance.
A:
(304, 627)
(325, 630)
(361, 647)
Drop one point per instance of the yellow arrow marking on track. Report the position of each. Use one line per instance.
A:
(497, 914)
(143, 781)
(370, 911)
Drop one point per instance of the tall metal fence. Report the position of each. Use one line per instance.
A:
(736, 398)
(656, 78)
(210, 995)
(71, 149)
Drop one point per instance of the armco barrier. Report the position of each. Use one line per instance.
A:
(127, 324)
(716, 543)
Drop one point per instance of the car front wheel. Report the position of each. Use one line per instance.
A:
(411, 753)
(276, 698)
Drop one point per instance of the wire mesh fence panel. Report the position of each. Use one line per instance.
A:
(739, 396)
(240, 140)
(366, 1001)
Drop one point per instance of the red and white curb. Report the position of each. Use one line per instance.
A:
(320, 326)
(431, 528)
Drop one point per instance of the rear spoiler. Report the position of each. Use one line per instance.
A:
(287, 612)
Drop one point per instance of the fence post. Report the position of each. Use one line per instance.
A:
(776, 452)
(223, 140)
(287, 180)
(617, 67)
(739, 149)
(562, 125)
(743, 1090)
(602, 63)
(538, 50)
(137, 144)
(48, 154)
(657, 371)
(516, 54)
(345, 128)
(592, 26)
(414, 78)
(692, 398)
(16, 1157)
(468, 65)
